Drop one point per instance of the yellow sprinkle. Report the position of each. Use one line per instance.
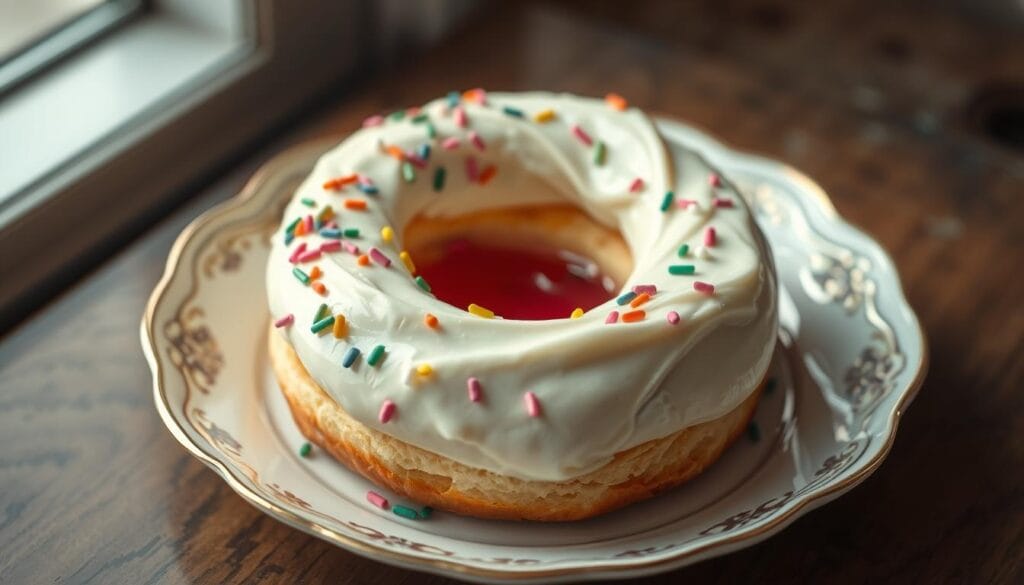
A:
(339, 326)
(544, 116)
(386, 233)
(577, 313)
(407, 260)
(480, 311)
(424, 369)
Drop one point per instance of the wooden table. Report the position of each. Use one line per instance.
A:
(907, 120)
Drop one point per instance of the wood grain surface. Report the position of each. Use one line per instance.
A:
(908, 114)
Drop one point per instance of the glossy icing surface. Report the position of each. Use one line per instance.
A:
(601, 387)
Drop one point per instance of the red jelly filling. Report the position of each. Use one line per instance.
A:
(522, 284)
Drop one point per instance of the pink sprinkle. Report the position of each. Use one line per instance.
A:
(308, 220)
(684, 203)
(373, 121)
(310, 255)
(720, 202)
(637, 185)
(350, 248)
(613, 317)
(297, 252)
(703, 287)
(285, 321)
(474, 389)
(714, 181)
(364, 180)
(472, 170)
(412, 111)
(379, 257)
(377, 500)
(582, 135)
(476, 140)
(331, 246)
(387, 410)
(331, 224)
(460, 116)
(532, 404)
(673, 318)
(415, 160)
(645, 288)
(450, 143)
(710, 237)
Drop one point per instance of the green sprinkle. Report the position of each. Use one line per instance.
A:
(438, 179)
(684, 250)
(425, 512)
(753, 432)
(321, 312)
(514, 112)
(291, 227)
(408, 173)
(681, 269)
(375, 355)
(351, 232)
(420, 119)
(308, 202)
(431, 130)
(305, 450)
(423, 283)
(302, 276)
(397, 115)
(405, 512)
(666, 202)
(599, 153)
(322, 324)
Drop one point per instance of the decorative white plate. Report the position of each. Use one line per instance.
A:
(851, 356)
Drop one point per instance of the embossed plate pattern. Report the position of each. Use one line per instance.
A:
(850, 357)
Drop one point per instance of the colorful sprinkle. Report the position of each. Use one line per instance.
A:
(387, 233)
(375, 354)
(340, 326)
(363, 260)
(544, 116)
(514, 112)
(633, 316)
(368, 189)
(682, 269)
(308, 202)
(532, 404)
(722, 202)
(350, 357)
(403, 511)
(422, 283)
(684, 250)
(637, 185)
(673, 318)
(650, 289)
(477, 142)
(299, 274)
(639, 300)
(395, 153)
(309, 255)
(332, 246)
(305, 450)
(351, 232)
(321, 312)
(460, 116)
(472, 169)
(355, 204)
(476, 94)
(350, 248)
(372, 121)
(439, 174)
(424, 369)
(625, 298)
(703, 287)
(316, 272)
(714, 180)
(333, 233)
(397, 115)
(687, 203)
(431, 130)
(710, 237)
(450, 143)
(407, 260)
(488, 174)
(576, 313)
(420, 118)
(666, 201)
(429, 319)
(453, 99)
(285, 321)
(475, 391)
(480, 311)
(616, 102)
(613, 317)
(340, 182)
(298, 251)
(319, 288)
(326, 214)
(379, 257)
(322, 324)
(581, 135)
(599, 153)
(387, 412)
(426, 511)
(408, 173)
(377, 500)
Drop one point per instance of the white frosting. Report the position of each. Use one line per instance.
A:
(602, 388)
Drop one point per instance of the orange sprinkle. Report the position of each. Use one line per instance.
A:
(315, 273)
(487, 174)
(633, 316)
(430, 321)
(300, 228)
(473, 95)
(340, 326)
(358, 204)
(639, 300)
(339, 182)
(319, 288)
(363, 260)
(616, 101)
(395, 152)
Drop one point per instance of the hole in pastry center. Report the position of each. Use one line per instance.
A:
(533, 263)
